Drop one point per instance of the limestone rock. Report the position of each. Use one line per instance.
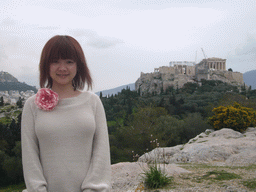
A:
(222, 147)
(127, 176)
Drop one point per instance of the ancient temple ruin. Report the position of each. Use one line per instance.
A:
(180, 72)
(213, 63)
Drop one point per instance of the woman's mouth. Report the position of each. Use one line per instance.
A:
(62, 75)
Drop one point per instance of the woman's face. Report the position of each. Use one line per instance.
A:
(62, 72)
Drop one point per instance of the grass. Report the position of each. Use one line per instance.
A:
(155, 178)
(206, 175)
(250, 183)
(13, 188)
(221, 175)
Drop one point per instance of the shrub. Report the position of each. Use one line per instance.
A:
(155, 178)
(236, 117)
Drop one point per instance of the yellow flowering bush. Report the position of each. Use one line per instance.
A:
(234, 116)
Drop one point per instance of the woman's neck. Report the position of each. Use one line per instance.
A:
(65, 92)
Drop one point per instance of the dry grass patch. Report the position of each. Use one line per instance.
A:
(215, 178)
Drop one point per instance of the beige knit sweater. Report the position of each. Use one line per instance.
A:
(66, 149)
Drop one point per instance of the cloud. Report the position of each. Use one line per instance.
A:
(48, 28)
(243, 57)
(104, 42)
(249, 48)
(2, 53)
(83, 33)
(94, 40)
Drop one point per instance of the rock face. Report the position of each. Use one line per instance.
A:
(222, 147)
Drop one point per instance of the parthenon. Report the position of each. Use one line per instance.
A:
(213, 63)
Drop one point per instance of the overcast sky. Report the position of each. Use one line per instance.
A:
(122, 38)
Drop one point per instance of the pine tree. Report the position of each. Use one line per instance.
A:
(2, 101)
(19, 103)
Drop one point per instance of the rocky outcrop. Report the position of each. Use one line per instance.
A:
(219, 148)
(157, 82)
(222, 147)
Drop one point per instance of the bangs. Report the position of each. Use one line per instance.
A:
(62, 49)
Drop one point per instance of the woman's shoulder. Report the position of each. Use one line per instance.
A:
(90, 95)
(31, 100)
(30, 104)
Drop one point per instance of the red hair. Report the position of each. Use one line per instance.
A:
(64, 47)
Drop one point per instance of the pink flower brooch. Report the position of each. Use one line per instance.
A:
(46, 99)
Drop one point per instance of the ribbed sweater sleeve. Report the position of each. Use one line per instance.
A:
(99, 174)
(32, 168)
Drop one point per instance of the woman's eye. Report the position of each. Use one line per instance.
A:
(70, 62)
(55, 61)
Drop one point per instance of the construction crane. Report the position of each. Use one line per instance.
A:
(196, 57)
(204, 54)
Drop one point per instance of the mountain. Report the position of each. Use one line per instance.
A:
(250, 78)
(7, 77)
(9, 82)
(116, 90)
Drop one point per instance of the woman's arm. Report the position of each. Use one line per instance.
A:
(98, 177)
(32, 168)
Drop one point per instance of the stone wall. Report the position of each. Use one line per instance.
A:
(235, 76)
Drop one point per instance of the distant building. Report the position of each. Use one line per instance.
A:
(13, 96)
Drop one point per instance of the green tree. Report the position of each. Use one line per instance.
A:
(19, 103)
(2, 101)
(243, 90)
(167, 130)
(190, 87)
(12, 165)
(193, 125)
(137, 135)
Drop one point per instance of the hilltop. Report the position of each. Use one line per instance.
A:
(9, 82)
(178, 73)
(7, 77)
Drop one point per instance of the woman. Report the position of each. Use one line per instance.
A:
(65, 146)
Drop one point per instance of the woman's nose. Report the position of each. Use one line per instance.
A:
(62, 66)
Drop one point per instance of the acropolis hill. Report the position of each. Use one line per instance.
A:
(180, 72)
